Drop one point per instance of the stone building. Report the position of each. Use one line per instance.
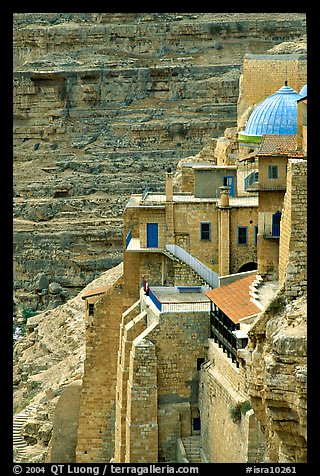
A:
(163, 378)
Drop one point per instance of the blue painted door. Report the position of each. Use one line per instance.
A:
(152, 235)
(276, 224)
(228, 181)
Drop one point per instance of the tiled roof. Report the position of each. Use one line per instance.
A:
(234, 299)
(251, 155)
(93, 292)
(278, 144)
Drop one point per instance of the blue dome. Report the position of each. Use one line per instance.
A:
(303, 91)
(277, 114)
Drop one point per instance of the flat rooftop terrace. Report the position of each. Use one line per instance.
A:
(181, 293)
(159, 200)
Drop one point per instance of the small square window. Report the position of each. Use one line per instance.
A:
(205, 231)
(273, 172)
(242, 235)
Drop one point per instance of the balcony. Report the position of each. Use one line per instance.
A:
(271, 225)
(256, 186)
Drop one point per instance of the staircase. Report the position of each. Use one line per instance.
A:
(18, 442)
(197, 271)
(192, 448)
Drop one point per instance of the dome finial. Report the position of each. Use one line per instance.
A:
(286, 83)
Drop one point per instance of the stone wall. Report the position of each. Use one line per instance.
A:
(133, 323)
(147, 431)
(293, 239)
(242, 254)
(97, 409)
(222, 388)
(268, 248)
(142, 404)
(263, 75)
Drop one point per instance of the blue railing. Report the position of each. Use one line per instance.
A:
(128, 238)
(251, 179)
(155, 300)
(209, 276)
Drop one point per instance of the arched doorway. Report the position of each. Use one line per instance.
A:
(276, 217)
(251, 266)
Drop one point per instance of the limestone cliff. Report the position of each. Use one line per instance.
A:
(277, 378)
(49, 358)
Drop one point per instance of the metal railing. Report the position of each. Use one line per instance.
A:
(128, 238)
(209, 276)
(185, 306)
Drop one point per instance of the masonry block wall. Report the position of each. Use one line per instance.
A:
(293, 239)
(142, 404)
(242, 253)
(172, 342)
(97, 407)
(268, 249)
(133, 323)
(263, 75)
(187, 179)
(222, 387)
(180, 340)
(187, 219)
(152, 215)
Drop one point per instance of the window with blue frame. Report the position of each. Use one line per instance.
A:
(242, 235)
(255, 234)
(205, 231)
(228, 181)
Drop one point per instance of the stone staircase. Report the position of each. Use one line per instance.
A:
(19, 443)
(192, 448)
(184, 274)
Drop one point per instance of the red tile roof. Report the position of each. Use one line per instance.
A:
(234, 299)
(251, 155)
(278, 144)
(94, 292)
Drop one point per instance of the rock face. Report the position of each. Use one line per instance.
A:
(46, 361)
(102, 104)
(277, 378)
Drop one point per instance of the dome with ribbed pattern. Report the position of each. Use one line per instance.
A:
(277, 114)
(303, 91)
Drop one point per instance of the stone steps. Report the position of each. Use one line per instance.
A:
(18, 441)
(192, 448)
(184, 275)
